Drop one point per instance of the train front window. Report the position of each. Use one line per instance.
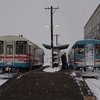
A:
(9, 49)
(98, 49)
(1, 47)
(21, 47)
(79, 49)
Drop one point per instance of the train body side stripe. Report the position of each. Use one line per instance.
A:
(14, 56)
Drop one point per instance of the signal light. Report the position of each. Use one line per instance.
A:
(98, 46)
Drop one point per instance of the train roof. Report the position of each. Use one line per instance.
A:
(87, 40)
(17, 38)
(12, 37)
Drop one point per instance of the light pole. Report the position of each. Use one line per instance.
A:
(52, 42)
(52, 31)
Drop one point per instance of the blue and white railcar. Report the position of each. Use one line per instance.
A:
(85, 53)
(19, 52)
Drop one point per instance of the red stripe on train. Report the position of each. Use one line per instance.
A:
(14, 57)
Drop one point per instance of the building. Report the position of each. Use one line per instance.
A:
(92, 27)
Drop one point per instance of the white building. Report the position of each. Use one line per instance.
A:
(92, 27)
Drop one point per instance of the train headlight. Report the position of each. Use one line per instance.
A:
(9, 63)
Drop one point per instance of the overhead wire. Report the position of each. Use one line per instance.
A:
(58, 17)
(47, 5)
(48, 13)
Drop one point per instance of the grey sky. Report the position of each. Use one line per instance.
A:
(28, 17)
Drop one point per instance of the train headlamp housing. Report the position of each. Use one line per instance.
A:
(9, 63)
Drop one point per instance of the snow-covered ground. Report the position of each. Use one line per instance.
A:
(93, 84)
(4, 78)
(2, 81)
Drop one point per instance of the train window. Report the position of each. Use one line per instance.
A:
(1, 48)
(79, 49)
(9, 49)
(20, 49)
(98, 49)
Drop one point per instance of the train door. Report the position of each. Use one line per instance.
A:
(97, 55)
(89, 54)
(29, 55)
(9, 54)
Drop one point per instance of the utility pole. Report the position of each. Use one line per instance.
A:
(52, 12)
(56, 38)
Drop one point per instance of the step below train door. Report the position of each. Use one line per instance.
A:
(89, 54)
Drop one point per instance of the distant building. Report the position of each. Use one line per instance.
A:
(92, 27)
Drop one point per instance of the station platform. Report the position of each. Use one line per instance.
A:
(39, 85)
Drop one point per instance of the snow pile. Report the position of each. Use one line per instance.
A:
(2, 81)
(73, 74)
(50, 69)
(46, 64)
(19, 77)
(89, 73)
(4, 78)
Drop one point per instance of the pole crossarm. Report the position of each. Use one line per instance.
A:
(53, 8)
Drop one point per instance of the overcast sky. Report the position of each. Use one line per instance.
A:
(28, 17)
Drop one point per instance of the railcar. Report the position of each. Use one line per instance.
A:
(19, 53)
(84, 54)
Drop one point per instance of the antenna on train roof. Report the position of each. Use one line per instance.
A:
(21, 35)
